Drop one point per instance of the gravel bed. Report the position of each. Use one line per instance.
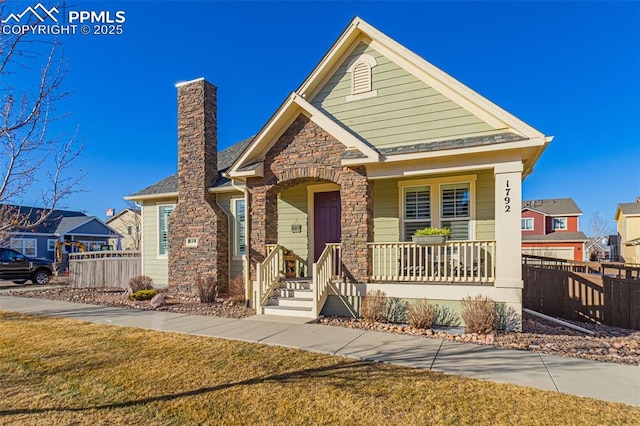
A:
(609, 344)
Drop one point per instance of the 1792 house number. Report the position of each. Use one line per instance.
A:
(507, 198)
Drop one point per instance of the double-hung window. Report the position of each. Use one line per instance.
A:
(455, 201)
(26, 246)
(417, 209)
(559, 223)
(163, 229)
(527, 224)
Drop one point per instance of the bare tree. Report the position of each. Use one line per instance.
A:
(598, 226)
(34, 160)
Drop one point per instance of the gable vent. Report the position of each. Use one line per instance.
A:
(361, 78)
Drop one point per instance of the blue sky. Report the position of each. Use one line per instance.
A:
(569, 69)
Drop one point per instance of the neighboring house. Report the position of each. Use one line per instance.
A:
(550, 228)
(628, 225)
(374, 144)
(128, 224)
(597, 249)
(63, 225)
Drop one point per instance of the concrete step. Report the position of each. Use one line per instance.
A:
(287, 311)
(294, 302)
(288, 292)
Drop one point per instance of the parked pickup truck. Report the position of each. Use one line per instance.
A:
(17, 267)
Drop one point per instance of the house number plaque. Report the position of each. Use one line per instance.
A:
(507, 198)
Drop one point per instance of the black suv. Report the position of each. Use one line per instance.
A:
(19, 268)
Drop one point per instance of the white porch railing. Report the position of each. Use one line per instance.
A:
(267, 277)
(455, 261)
(325, 270)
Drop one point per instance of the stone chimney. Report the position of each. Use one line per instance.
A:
(198, 227)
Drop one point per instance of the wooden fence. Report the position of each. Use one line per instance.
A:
(583, 291)
(104, 268)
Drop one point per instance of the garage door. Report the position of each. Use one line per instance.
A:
(557, 252)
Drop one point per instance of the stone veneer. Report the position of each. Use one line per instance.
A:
(307, 153)
(197, 215)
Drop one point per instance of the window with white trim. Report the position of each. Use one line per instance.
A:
(456, 209)
(416, 209)
(163, 229)
(239, 227)
(26, 246)
(559, 223)
(51, 245)
(527, 224)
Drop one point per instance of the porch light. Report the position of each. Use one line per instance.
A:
(296, 228)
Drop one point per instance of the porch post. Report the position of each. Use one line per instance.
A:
(508, 233)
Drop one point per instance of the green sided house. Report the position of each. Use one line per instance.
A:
(321, 205)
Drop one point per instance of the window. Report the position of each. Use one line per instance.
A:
(559, 223)
(417, 209)
(26, 246)
(361, 77)
(456, 209)
(129, 230)
(163, 229)
(527, 224)
(51, 245)
(239, 228)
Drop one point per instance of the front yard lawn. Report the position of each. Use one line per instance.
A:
(58, 371)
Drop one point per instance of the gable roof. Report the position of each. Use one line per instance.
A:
(629, 208)
(168, 187)
(520, 134)
(122, 213)
(59, 221)
(553, 207)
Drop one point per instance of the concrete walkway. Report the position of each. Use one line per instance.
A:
(605, 381)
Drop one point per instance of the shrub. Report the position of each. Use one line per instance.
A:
(478, 314)
(143, 295)
(206, 288)
(236, 289)
(421, 313)
(396, 310)
(373, 306)
(141, 282)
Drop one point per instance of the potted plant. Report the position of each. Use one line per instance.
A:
(431, 235)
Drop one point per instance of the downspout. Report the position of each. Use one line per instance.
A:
(248, 285)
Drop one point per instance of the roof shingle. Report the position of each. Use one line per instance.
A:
(553, 207)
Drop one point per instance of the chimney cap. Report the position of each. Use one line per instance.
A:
(184, 83)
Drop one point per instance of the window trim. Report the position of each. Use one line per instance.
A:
(35, 246)
(160, 206)
(236, 235)
(553, 223)
(528, 219)
(49, 241)
(436, 202)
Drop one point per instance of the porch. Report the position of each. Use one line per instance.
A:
(283, 288)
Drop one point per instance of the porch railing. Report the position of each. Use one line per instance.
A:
(325, 270)
(267, 276)
(454, 261)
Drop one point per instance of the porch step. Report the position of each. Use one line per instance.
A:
(295, 283)
(293, 302)
(295, 293)
(288, 311)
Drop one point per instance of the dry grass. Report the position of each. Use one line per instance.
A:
(55, 371)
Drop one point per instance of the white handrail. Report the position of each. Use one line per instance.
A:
(324, 270)
(267, 276)
(454, 261)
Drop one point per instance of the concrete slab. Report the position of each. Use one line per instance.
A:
(247, 331)
(489, 363)
(315, 337)
(391, 348)
(606, 381)
(193, 324)
(281, 319)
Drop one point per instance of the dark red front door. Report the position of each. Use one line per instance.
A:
(326, 225)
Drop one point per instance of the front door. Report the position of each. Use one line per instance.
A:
(326, 225)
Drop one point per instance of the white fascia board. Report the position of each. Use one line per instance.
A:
(222, 189)
(151, 196)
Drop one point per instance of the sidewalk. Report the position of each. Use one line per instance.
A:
(605, 381)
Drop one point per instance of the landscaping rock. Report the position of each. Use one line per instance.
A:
(158, 301)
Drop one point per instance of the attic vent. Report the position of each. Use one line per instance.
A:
(361, 77)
